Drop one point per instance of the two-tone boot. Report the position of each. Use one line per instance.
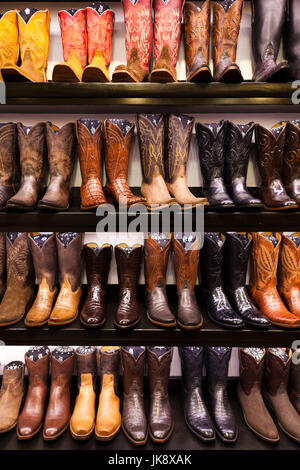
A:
(11, 395)
(9, 162)
(9, 39)
(289, 272)
(291, 160)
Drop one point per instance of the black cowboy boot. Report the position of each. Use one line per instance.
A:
(292, 38)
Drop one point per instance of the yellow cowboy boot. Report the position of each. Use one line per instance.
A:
(9, 39)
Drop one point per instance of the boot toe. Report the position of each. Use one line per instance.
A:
(25, 430)
(51, 432)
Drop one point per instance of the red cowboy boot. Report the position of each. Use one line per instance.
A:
(138, 41)
(167, 24)
(74, 41)
(100, 26)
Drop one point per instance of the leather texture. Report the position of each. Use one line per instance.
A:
(294, 386)
(291, 38)
(2, 264)
(9, 161)
(291, 160)
(289, 273)
(9, 42)
(11, 395)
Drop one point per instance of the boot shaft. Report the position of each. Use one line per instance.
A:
(69, 253)
(289, 264)
(291, 158)
(100, 20)
(157, 248)
(179, 130)
(32, 146)
(216, 365)
(186, 259)
(9, 162)
(151, 143)
(97, 262)
(37, 364)
(73, 33)
(237, 150)
(89, 143)
(237, 247)
(292, 37)
(133, 366)
(13, 379)
(9, 38)
(211, 266)
(61, 150)
(109, 365)
(159, 369)
(252, 367)
(191, 366)
(86, 362)
(129, 261)
(44, 256)
(117, 143)
(2, 263)
(278, 364)
(211, 150)
(270, 149)
(18, 260)
(196, 29)
(62, 361)
(264, 259)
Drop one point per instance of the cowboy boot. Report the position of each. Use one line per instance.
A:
(237, 249)
(9, 39)
(74, 41)
(237, 152)
(117, 142)
(32, 158)
(195, 412)
(157, 249)
(89, 139)
(213, 295)
(69, 253)
(291, 38)
(291, 160)
(43, 252)
(20, 279)
(97, 262)
(31, 418)
(58, 411)
(211, 146)
(269, 156)
(11, 395)
(100, 21)
(256, 415)
(275, 391)
(138, 41)
(129, 260)
(134, 421)
(294, 385)
(289, 272)
(196, 35)
(82, 421)
(34, 35)
(61, 157)
(167, 25)
(179, 129)
(268, 17)
(9, 162)
(151, 142)
(186, 247)
(108, 421)
(2, 264)
(265, 252)
(226, 27)
(161, 423)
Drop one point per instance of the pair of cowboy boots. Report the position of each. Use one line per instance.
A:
(86, 37)
(108, 420)
(134, 420)
(116, 136)
(52, 253)
(164, 169)
(225, 32)
(138, 40)
(224, 152)
(25, 32)
(278, 160)
(282, 305)
(11, 395)
(186, 247)
(269, 380)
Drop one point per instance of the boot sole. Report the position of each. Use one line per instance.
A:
(53, 438)
(159, 207)
(19, 207)
(202, 438)
(256, 326)
(107, 438)
(288, 208)
(165, 439)
(127, 327)
(226, 326)
(270, 407)
(94, 74)
(227, 441)
(63, 73)
(35, 325)
(164, 325)
(201, 76)
(63, 323)
(282, 325)
(123, 76)
(136, 443)
(192, 327)
(26, 437)
(161, 76)
(79, 437)
(249, 207)
(90, 325)
(222, 208)
(48, 207)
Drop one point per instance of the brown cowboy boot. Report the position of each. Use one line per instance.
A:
(289, 272)
(2, 264)
(11, 395)
(9, 39)
(291, 160)
(294, 384)
(9, 162)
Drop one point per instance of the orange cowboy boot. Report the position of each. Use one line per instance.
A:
(9, 39)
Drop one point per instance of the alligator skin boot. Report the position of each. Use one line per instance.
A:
(61, 157)
(138, 41)
(43, 252)
(34, 36)
(32, 158)
(268, 17)
(214, 299)
(157, 249)
(289, 272)
(216, 364)
(275, 391)
(226, 27)
(196, 42)
(97, 262)
(167, 25)
(151, 134)
(58, 412)
(237, 248)
(291, 160)
(89, 144)
(179, 133)
(211, 145)
(134, 421)
(294, 385)
(108, 420)
(2, 264)
(74, 41)
(69, 253)
(161, 423)
(291, 38)
(117, 143)
(265, 252)
(9, 39)
(100, 20)
(186, 248)
(20, 279)
(82, 421)
(31, 418)
(237, 152)
(9, 161)
(270, 150)
(11, 395)
(129, 260)
(256, 415)
(195, 412)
